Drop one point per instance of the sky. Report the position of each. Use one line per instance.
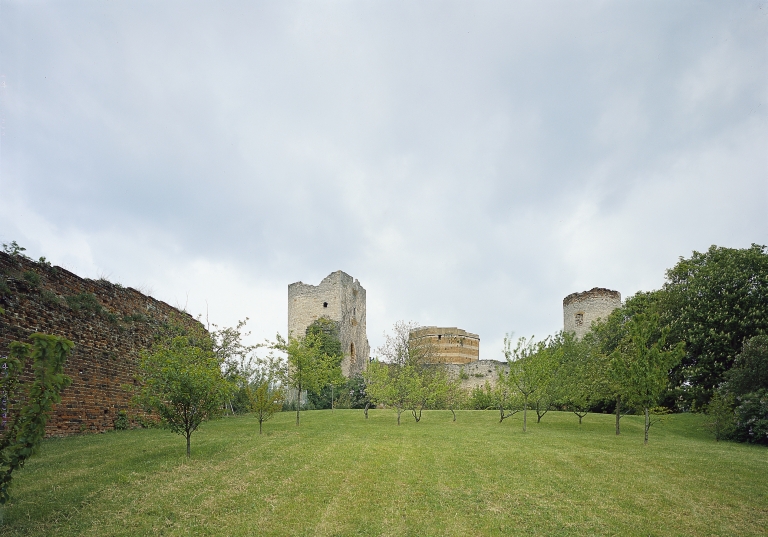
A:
(471, 163)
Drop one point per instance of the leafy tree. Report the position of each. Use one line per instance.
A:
(183, 382)
(450, 394)
(714, 301)
(645, 360)
(403, 378)
(605, 337)
(579, 376)
(309, 366)
(530, 369)
(326, 332)
(25, 428)
(265, 391)
(720, 416)
(503, 394)
(747, 385)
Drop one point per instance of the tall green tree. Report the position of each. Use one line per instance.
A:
(29, 403)
(645, 360)
(181, 379)
(713, 302)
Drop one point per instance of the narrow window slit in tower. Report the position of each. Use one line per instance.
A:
(325, 304)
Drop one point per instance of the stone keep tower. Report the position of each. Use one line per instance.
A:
(340, 298)
(581, 309)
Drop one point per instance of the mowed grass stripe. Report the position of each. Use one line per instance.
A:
(339, 474)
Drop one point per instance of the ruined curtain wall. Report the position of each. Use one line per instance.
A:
(108, 334)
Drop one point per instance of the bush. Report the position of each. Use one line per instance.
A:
(752, 418)
(32, 277)
(121, 421)
(84, 302)
(481, 398)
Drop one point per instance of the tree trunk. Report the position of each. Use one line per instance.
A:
(618, 414)
(579, 418)
(260, 422)
(454, 414)
(647, 424)
(398, 415)
(189, 434)
(525, 413)
(366, 409)
(298, 404)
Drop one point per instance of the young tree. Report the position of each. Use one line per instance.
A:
(530, 368)
(309, 366)
(183, 382)
(503, 394)
(646, 361)
(720, 416)
(403, 379)
(450, 394)
(25, 427)
(265, 390)
(579, 376)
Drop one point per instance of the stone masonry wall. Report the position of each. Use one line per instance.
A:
(580, 310)
(477, 373)
(107, 341)
(341, 298)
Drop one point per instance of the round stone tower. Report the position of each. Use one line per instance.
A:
(580, 310)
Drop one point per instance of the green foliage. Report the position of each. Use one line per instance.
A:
(13, 249)
(4, 288)
(121, 421)
(181, 379)
(531, 369)
(30, 404)
(405, 378)
(266, 393)
(642, 362)
(309, 366)
(752, 417)
(84, 301)
(49, 297)
(32, 277)
(720, 416)
(750, 368)
(481, 398)
(354, 393)
(747, 387)
(713, 302)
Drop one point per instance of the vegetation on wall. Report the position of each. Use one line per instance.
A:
(27, 406)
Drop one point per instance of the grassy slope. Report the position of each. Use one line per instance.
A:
(338, 474)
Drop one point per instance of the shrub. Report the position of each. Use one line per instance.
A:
(121, 421)
(84, 302)
(32, 277)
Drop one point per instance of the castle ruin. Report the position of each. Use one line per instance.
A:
(340, 298)
(452, 345)
(580, 310)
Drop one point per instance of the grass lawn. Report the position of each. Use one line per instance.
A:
(339, 474)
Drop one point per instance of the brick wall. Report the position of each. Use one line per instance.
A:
(107, 342)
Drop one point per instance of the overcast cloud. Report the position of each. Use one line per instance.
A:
(471, 163)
